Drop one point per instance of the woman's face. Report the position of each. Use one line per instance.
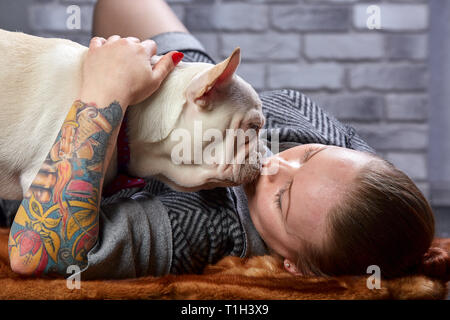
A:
(293, 203)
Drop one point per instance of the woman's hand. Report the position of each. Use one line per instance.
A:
(119, 69)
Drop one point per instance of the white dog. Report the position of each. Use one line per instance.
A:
(40, 78)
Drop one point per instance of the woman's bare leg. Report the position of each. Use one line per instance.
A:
(138, 18)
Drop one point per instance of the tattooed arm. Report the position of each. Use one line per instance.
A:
(57, 222)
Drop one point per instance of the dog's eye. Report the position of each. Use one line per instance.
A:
(254, 126)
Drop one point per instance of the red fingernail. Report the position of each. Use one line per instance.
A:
(176, 57)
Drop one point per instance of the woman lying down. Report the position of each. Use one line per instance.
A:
(332, 208)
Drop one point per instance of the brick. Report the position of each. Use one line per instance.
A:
(389, 77)
(344, 46)
(227, 17)
(308, 77)
(413, 164)
(13, 17)
(263, 46)
(53, 17)
(394, 17)
(69, 2)
(197, 18)
(310, 18)
(254, 74)
(407, 107)
(353, 107)
(401, 46)
(211, 43)
(424, 187)
(256, 1)
(394, 136)
(440, 191)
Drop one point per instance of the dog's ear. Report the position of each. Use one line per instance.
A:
(219, 76)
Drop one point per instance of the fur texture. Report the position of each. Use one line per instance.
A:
(41, 78)
(231, 278)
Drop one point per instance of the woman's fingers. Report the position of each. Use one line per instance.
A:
(97, 42)
(126, 63)
(150, 47)
(166, 64)
(113, 38)
(134, 39)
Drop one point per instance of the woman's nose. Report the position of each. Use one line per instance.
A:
(278, 167)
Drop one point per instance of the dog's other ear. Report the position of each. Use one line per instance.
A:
(200, 88)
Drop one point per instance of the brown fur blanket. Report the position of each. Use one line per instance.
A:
(231, 278)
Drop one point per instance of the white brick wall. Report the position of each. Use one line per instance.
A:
(389, 77)
(305, 17)
(344, 46)
(307, 76)
(228, 17)
(395, 17)
(53, 16)
(263, 47)
(375, 80)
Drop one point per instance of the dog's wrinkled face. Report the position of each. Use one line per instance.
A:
(199, 131)
(216, 142)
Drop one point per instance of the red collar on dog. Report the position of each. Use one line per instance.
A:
(123, 180)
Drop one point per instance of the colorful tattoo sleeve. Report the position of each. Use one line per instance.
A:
(57, 222)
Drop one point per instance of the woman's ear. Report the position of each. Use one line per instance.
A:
(291, 267)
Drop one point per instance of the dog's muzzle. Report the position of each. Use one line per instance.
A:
(250, 170)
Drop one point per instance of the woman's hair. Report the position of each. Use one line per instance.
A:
(383, 219)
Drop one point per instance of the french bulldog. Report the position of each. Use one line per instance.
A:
(41, 77)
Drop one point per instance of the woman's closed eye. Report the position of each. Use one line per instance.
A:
(310, 151)
(280, 193)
